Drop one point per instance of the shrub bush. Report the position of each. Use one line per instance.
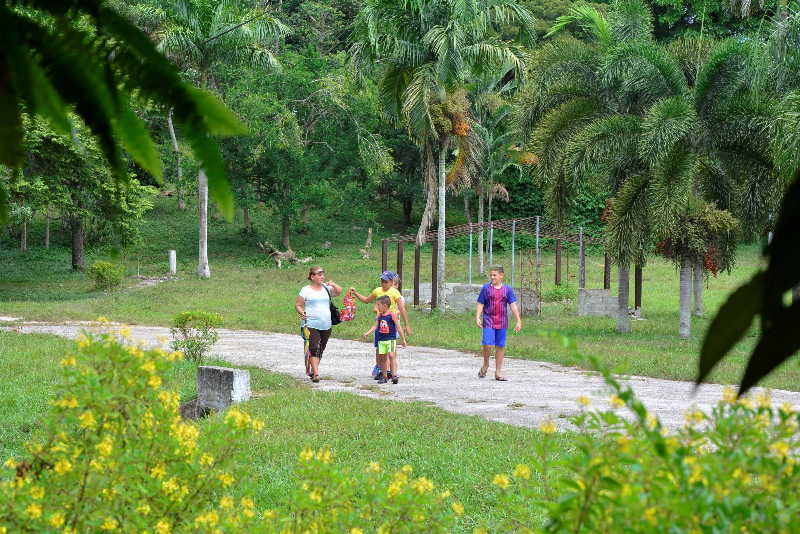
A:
(559, 293)
(194, 333)
(106, 275)
(116, 456)
(731, 470)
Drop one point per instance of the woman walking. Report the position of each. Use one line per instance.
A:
(313, 305)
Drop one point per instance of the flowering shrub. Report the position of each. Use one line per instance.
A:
(731, 470)
(116, 455)
(105, 274)
(194, 333)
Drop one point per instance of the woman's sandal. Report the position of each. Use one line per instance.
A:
(482, 374)
(501, 379)
(315, 378)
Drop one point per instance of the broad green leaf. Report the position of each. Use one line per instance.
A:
(46, 101)
(783, 252)
(219, 119)
(206, 150)
(11, 150)
(777, 344)
(731, 323)
(136, 140)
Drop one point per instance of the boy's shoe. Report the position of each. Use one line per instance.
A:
(395, 379)
(388, 374)
(382, 380)
(376, 371)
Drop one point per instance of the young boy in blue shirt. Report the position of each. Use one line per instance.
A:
(387, 327)
(491, 315)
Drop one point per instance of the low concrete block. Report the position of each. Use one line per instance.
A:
(219, 387)
(597, 302)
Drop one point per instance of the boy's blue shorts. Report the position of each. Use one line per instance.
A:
(494, 336)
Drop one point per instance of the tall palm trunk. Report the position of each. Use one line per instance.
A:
(76, 229)
(699, 278)
(248, 223)
(490, 237)
(623, 319)
(179, 179)
(285, 224)
(685, 328)
(481, 265)
(203, 270)
(442, 206)
(467, 210)
(23, 238)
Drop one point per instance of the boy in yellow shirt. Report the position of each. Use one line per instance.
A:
(398, 305)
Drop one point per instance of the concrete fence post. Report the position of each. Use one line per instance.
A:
(173, 262)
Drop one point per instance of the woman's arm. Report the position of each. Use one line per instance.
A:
(337, 289)
(362, 298)
(300, 307)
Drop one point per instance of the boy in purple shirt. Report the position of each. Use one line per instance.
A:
(492, 316)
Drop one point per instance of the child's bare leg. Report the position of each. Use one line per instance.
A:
(487, 353)
(499, 353)
(383, 362)
(393, 362)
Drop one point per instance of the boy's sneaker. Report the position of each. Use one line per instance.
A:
(395, 379)
(388, 374)
(382, 380)
(376, 371)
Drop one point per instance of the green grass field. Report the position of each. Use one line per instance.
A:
(458, 452)
(251, 293)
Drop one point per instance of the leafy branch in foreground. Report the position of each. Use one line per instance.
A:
(81, 55)
(764, 296)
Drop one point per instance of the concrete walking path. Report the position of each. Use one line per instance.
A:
(534, 393)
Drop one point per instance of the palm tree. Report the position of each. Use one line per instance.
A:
(424, 53)
(199, 37)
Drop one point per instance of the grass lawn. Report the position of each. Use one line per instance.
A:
(250, 293)
(458, 452)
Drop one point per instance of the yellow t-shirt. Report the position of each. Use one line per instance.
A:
(392, 293)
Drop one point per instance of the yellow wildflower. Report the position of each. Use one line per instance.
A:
(154, 381)
(746, 402)
(306, 455)
(373, 467)
(226, 479)
(175, 355)
(69, 361)
(651, 422)
(10, 463)
(125, 332)
(650, 515)
(148, 367)
(767, 484)
(158, 471)
(269, 514)
(584, 401)
(780, 448)
(163, 527)
(105, 447)
(37, 492)
(109, 524)
(694, 417)
(315, 496)
(356, 530)
(62, 466)
(102, 320)
(206, 459)
(787, 408)
(458, 508)
(422, 485)
(226, 502)
(501, 480)
(143, 509)
(324, 456)
(445, 494)
(522, 471)
(34, 511)
(728, 395)
(548, 427)
(624, 443)
(764, 399)
(56, 520)
(406, 469)
(616, 402)
(67, 402)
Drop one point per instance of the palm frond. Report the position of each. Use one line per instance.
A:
(628, 226)
(631, 20)
(668, 123)
(589, 19)
(645, 70)
(720, 76)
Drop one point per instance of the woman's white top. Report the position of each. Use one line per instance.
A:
(317, 307)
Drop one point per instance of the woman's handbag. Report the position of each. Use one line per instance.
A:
(348, 312)
(336, 317)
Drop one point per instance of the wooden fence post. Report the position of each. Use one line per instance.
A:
(434, 275)
(416, 274)
(384, 254)
(401, 245)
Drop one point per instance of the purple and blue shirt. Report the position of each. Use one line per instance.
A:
(495, 305)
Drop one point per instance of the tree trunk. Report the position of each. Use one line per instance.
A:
(558, 262)
(76, 230)
(440, 263)
(490, 237)
(248, 224)
(699, 279)
(481, 265)
(179, 165)
(623, 319)
(637, 290)
(685, 328)
(203, 270)
(47, 227)
(606, 271)
(467, 211)
(285, 220)
(408, 205)
(23, 238)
